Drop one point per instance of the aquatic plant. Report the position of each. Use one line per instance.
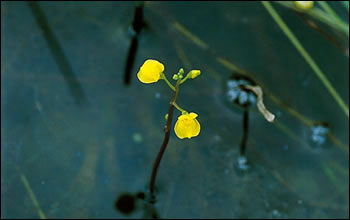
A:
(187, 126)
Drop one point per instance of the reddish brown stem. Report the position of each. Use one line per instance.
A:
(165, 140)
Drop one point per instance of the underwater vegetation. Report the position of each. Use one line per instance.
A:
(250, 122)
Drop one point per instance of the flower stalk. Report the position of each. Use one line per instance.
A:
(165, 140)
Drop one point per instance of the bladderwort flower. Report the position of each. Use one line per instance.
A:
(187, 126)
(150, 71)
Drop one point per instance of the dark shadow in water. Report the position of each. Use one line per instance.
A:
(137, 25)
(130, 60)
(245, 127)
(128, 203)
(58, 54)
(138, 22)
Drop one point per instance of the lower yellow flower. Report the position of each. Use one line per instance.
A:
(150, 71)
(187, 126)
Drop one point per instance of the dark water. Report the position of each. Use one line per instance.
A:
(74, 137)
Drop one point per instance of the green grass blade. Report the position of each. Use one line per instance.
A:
(306, 56)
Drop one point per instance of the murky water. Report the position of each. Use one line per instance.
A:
(75, 138)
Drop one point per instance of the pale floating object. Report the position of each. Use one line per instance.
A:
(259, 104)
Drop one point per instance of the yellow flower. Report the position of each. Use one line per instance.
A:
(150, 71)
(195, 73)
(187, 126)
(304, 5)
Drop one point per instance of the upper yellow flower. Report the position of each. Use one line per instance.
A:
(195, 73)
(304, 5)
(187, 126)
(150, 71)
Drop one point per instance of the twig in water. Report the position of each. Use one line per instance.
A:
(261, 107)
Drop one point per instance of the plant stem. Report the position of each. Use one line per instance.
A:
(325, 34)
(178, 108)
(184, 79)
(165, 140)
(167, 82)
(306, 56)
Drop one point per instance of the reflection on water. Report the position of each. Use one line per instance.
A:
(236, 92)
(319, 133)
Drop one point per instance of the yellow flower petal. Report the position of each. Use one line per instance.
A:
(195, 73)
(187, 126)
(192, 115)
(150, 71)
(304, 5)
